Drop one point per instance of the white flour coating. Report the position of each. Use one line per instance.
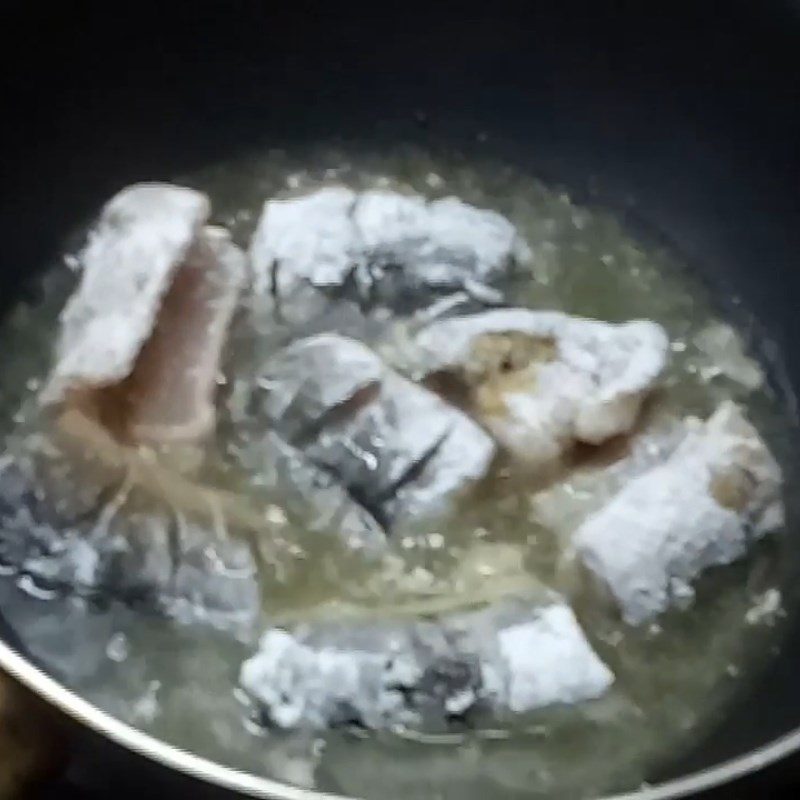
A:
(400, 448)
(310, 238)
(376, 243)
(302, 686)
(157, 294)
(437, 236)
(515, 657)
(407, 417)
(720, 490)
(591, 390)
(564, 670)
(563, 505)
(143, 235)
(302, 382)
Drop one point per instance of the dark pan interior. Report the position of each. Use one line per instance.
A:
(685, 119)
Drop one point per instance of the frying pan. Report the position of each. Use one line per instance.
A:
(683, 118)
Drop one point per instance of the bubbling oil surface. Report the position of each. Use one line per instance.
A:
(673, 679)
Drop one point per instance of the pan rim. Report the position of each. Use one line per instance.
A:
(213, 773)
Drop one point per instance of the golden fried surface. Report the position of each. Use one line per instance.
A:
(502, 363)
